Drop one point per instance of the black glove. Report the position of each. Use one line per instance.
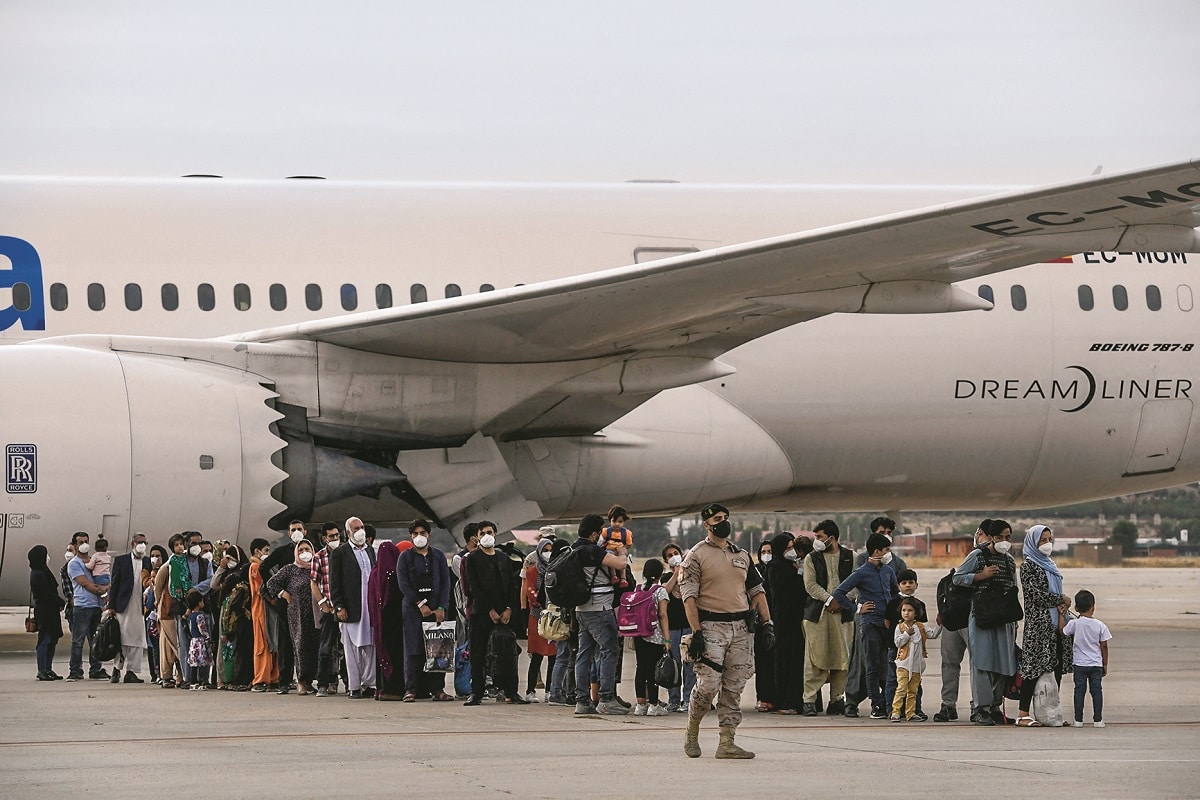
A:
(767, 631)
(696, 647)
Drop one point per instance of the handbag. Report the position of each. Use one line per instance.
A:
(995, 608)
(31, 625)
(667, 673)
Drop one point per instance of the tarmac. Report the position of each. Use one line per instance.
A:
(62, 739)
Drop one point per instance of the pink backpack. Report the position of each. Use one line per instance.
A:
(637, 613)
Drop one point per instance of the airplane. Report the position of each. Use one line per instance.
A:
(225, 355)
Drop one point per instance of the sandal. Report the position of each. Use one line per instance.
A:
(441, 697)
(409, 697)
(765, 708)
(1026, 721)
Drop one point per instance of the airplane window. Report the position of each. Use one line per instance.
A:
(452, 290)
(986, 293)
(170, 297)
(349, 296)
(95, 297)
(383, 296)
(487, 287)
(133, 297)
(21, 296)
(312, 297)
(278, 293)
(58, 297)
(1153, 298)
(1086, 301)
(1120, 298)
(417, 293)
(1017, 293)
(1184, 295)
(206, 297)
(241, 297)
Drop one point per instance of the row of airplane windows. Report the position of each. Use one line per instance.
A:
(1087, 298)
(277, 296)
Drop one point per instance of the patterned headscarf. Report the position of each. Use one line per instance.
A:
(381, 589)
(1032, 554)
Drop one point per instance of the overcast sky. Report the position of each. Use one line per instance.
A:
(1010, 92)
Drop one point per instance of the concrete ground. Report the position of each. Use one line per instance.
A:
(73, 739)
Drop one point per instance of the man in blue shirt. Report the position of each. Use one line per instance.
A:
(85, 616)
(876, 585)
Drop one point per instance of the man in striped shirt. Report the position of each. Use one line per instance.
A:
(328, 658)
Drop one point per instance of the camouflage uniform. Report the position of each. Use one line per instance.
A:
(731, 645)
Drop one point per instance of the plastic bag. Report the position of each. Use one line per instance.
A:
(439, 646)
(462, 670)
(1047, 706)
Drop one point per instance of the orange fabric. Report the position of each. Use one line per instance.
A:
(266, 665)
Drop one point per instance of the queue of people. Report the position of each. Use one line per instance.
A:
(327, 609)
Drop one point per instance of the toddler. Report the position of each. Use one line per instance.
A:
(200, 625)
(1091, 655)
(617, 538)
(910, 637)
(906, 580)
(101, 564)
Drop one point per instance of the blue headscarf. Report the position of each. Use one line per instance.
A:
(1053, 576)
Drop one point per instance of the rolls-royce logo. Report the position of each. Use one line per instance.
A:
(20, 468)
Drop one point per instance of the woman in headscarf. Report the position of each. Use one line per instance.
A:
(293, 584)
(533, 599)
(46, 603)
(1043, 648)
(787, 598)
(236, 622)
(764, 660)
(387, 623)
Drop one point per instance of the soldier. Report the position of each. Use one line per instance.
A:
(719, 585)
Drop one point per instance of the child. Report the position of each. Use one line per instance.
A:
(910, 638)
(616, 536)
(1091, 655)
(199, 656)
(907, 581)
(649, 649)
(101, 564)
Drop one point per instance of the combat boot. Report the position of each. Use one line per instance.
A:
(727, 749)
(691, 739)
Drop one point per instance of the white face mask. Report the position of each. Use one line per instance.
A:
(306, 556)
(297, 537)
(334, 544)
(359, 537)
(675, 561)
(791, 555)
(140, 548)
(1047, 548)
(487, 542)
(233, 563)
(208, 556)
(766, 557)
(545, 554)
(194, 550)
(1003, 546)
(155, 560)
(420, 541)
(68, 555)
(818, 545)
(887, 558)
(83, 549)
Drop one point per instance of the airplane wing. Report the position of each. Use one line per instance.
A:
(703, 304)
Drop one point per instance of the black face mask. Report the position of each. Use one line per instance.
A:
(722, 529)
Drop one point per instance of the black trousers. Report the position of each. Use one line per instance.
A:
(329, 649)
(287, 656)
(789, 667)
(481, 631)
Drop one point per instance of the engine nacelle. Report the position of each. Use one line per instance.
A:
(117, 442)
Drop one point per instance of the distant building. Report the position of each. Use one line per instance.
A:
(950, 545)
(1099, 555)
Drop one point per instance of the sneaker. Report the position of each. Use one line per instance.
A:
(621, 702)
(322, 692)
(810, 709)
(131, 678)
(78, 676)
(656, 711)
(584, 709)
(1077, 723)
(101, 675)
(531, 697)
(640, 710)
(878, 713)
(116, 676)
(556, 700)
(946, 714)
(985, 719)
(611, 708)
(851, 711)
(1098, 723)
(473, 700)
(258, 687)
(673, 707)
(893, 718)
(54, 675)
(836, 708)
(920, 716)
(516, 700)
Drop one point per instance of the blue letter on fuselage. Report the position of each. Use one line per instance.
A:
(24, 280)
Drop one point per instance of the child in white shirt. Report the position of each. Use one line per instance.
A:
(1090, 655)
(911, 653)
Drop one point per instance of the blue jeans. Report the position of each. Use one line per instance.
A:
(689, 674)
(83, 627)
(597, 631)
(1088, 679)
(875, 647)
(45, 651)
(564, 663)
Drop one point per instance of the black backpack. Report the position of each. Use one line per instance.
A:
(108, 640)
(502, 655)
(954, 603)
(566, 582)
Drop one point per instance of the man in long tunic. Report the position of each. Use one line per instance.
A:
(349, 572)
(828, 628)
(125, 602)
